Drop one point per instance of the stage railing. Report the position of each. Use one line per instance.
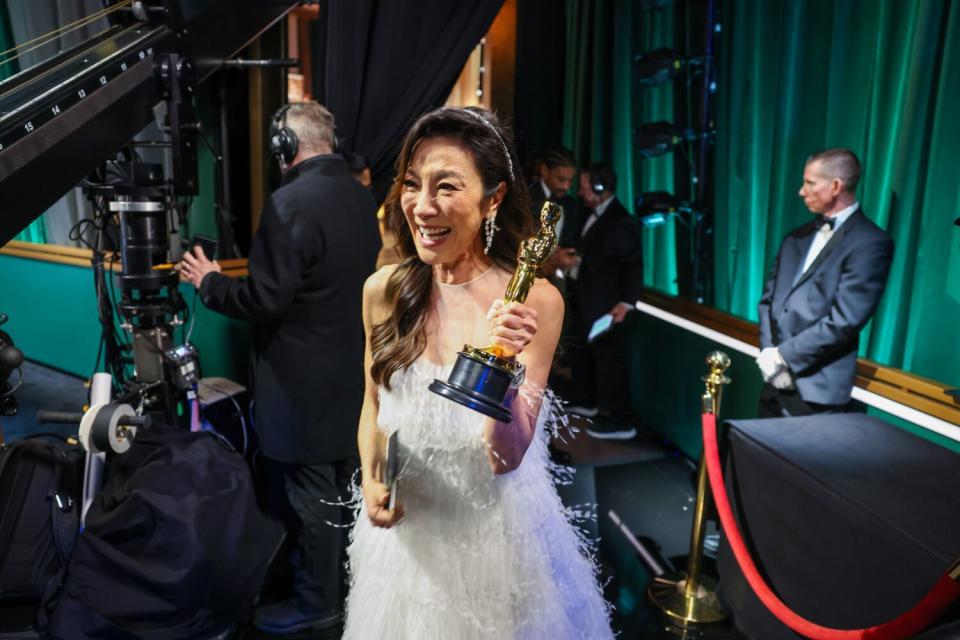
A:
(913, 398)
(919, 400)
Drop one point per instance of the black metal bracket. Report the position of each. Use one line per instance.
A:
(178, 87)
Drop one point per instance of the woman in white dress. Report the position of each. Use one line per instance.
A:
(478, 544)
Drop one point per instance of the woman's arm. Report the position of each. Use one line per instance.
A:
(532, 329)
(370, 441)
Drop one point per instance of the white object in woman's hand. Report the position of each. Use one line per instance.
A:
(512, 326)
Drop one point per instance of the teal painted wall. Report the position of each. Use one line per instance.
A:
(53, 320)
(53, 312)
(667, 364)
(52, 307)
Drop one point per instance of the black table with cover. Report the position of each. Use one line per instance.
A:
(851, 520)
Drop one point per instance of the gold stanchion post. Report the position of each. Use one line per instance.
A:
(688, 598)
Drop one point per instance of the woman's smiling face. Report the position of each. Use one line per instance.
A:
(444, 202)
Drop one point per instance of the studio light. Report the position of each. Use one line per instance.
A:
(654, 208)
(657, 67)
(653, 220)
(658, 138)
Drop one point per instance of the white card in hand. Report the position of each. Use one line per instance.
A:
(391, 470)
(603, 324)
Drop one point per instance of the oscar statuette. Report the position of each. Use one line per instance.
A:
(481, 377)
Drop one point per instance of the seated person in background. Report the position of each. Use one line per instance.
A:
(824, 286)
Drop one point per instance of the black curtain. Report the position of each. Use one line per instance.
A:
(541, 58)
(389, 61)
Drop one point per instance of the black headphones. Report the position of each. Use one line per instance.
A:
(603, 180)
(283, 140)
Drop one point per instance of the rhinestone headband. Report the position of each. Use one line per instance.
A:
(503, 144)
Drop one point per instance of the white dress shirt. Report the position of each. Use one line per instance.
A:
(824, 234)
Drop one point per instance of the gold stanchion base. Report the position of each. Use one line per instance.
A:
(667, 593)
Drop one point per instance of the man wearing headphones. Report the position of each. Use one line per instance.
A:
(609, 279)
(315, 247)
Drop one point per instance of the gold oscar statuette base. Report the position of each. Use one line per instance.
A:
(490, 357)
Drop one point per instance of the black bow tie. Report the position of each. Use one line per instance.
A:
(826, 220)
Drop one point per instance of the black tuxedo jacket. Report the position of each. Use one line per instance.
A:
(316, 244)
(611, 267)
(571, 214)
(815, 319)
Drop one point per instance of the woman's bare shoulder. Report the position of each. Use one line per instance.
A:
(376, 284)
(374, 290)
(545, 298)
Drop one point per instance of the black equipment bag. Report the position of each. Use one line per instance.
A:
(41, 483)
(174, 545)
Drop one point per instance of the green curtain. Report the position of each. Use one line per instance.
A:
(603, 105)
(882, 78)
(587, 103)
(35, 231)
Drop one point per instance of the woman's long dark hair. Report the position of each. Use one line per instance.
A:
(401, 338)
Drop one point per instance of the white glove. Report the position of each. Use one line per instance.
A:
(782, 381)
(770, 363)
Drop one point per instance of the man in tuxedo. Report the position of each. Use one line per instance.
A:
(316, 245)
(824, 286)
(554, 171)
(609, 278)
(557, 170)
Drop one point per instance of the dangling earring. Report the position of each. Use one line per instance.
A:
(489, 228)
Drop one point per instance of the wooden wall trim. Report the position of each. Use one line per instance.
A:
(80, 257)
(73, 256)
(922, 394)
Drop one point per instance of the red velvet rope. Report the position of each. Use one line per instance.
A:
(925, 613)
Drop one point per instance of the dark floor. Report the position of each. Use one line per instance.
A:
(44, 388)
(643, 481)
(650, 488)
